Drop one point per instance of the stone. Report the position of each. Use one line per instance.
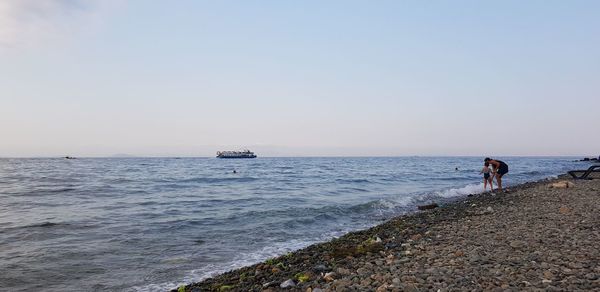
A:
(269, 284)
(382, 288)
(416, 237)
(342, 285)
(287, 284)
(366, 282)
(564, 210)
(320, 268)
(591, 276)
(409, 287)
(562, 185)
(516, 244)
(329, 276)
(548, 275)
(428, 207)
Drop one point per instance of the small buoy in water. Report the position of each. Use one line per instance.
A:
(234, 171)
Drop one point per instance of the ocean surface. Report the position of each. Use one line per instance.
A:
(150, 224)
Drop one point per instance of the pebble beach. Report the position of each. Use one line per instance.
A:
(534, 237)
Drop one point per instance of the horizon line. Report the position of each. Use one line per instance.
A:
(295, 156)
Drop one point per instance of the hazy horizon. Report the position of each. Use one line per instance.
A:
(302, 153)
(90, 78)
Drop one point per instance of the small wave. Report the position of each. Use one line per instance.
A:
(43, 225)
(284, 167)
(466, 190)
(44, 192)
(383, 207)
(533, 172)
(358, 180)
(61, 190)
(242, 260)
(354, 189)
(61, 225)
(217, 179)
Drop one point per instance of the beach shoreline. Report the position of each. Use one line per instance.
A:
(484, 241)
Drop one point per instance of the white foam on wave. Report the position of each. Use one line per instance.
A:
(241, 260)
(466, 190)
(388, 206)
(400, 201)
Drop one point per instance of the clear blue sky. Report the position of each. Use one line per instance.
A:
(96, 78)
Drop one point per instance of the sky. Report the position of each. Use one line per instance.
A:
(299, 78)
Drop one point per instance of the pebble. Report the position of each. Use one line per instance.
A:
(320, 268)
(329, 276)
(288, 283)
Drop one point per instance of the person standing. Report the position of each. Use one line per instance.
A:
(486, 177)
(500, 169)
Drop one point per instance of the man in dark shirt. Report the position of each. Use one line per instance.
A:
(500, 169)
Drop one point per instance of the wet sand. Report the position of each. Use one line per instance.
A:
(531, 238)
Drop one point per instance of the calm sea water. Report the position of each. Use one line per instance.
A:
(148, 224)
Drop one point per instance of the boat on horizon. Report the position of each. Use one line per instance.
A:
(236, 154)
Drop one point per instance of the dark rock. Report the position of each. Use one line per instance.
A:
(428, 207)
(320, 268)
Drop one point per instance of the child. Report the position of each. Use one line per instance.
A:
(486, 177)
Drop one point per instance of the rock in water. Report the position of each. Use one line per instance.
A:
(428, 207)
(287, 284)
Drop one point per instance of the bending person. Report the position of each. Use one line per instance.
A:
(500, 169)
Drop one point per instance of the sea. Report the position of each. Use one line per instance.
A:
(151, 224)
